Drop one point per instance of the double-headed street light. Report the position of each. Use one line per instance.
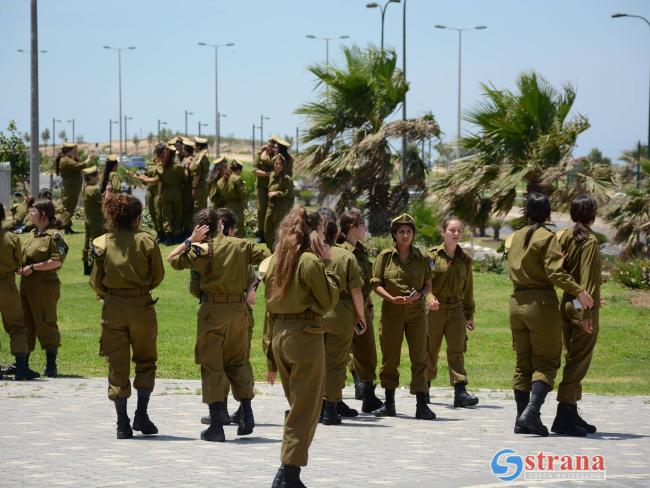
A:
(327, 44)
(383, 15)
(262, 119)
(460, 44)
(71, 121)
(111, 122)
(119, 78)
(217, 131)
(638, 164)
(201, 124)
(187, 112)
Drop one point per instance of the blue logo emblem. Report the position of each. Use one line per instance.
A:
(507, 467)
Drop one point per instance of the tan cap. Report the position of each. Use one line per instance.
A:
(112, 158)
(201, 140)
(188, 142)
(403, 219)
(69, 145)
(90, 171)
(274, 138)
(282, 142)
(219, 160)
(171, 146)
(174, 140)
(264, 265)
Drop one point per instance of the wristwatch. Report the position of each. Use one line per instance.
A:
(188, 243)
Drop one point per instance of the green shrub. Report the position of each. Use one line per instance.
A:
(376, 244)
(489, 264)
(633, 274)
(427, 225)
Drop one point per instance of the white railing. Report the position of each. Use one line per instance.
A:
(5, 185)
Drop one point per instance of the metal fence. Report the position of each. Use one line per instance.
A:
(5, 184)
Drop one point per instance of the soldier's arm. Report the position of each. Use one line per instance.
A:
(256, 254)
(553, 266)
(97, 273)
(468, 296)
(323, 284)
(157, 268)
(590, 273)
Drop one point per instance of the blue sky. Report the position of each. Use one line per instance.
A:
(574, 41)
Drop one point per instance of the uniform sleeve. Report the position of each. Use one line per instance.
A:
(353, 274)
(590, 272)
(241, 191)
(72, 164)
(58, 248)
(181, 261)
(267, 339)
(553, 266)
(428, 275)
(157, 268)
(256, 254)
(378, 271)
(468, 296)
(115, 183)
(324, 285)
(97, 275)
(96, 195)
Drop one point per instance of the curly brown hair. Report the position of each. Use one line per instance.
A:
(121, 211)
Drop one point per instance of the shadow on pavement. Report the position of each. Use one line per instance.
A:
(165, 438)
(254, 440)
(615, 436)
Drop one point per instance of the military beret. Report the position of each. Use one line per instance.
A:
(188, 142)
(282, 142)
(69, 145)
(174, 140)
(274, 138)
(405, 219)
(111, 158)
(201, 140)
(90, 171)
(220, 160)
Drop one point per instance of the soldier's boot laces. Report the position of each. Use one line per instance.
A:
(51, 370)
(521, 398)
(422, 410)
(124, 430)
(246, 418)
(462, 398)
(358, 387)
(214, 433)
(590, 428)
(141, 420)
(388, 410)
(345, 411)
(531, 417)
(370, 400)
(331, 415)
(22, 370)
(565, 422)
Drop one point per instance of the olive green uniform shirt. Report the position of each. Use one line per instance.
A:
(263, 163)
(365, 266)
(41, 247)
(344, 265)
(69, 168)
(283, 184)
(398, 278)
(93, 205)
(10, 252)
(228, 192)
(171, 177)
(452, 278)
(19, 212)
(199, 170)
(114, 180)
(151, 171)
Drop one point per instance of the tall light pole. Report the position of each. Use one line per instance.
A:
(159, 124)
(638, 164)
(404, 162)
(119, 81)
(54, 121)
(383, 15)
(262, 119)
(217, 132)
(201, 125)
(71, 121)
(111, 122)
(187, 112)
(253, 141)
(126, 135)
(327, 44)
(218, 140)
(460, 46)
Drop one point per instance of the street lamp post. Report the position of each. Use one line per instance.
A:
(218, 140)
(383, 15)
(262, 119)
(217, 132)
(460, 45)
(201, 125)
(253, 141)
(126, 135)
(111, 122)
(327, 44)
(119, 78)
(71, 121)
(54, 121)
(159, 124)
(638, 164)
(187, 112)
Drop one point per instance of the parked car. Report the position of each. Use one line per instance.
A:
(136, 162)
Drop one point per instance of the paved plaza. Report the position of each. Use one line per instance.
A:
(61, 432)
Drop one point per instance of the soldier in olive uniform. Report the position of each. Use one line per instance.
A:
(19, 212)
(171, 177)
(187, 160)
(69, 168)
(44, 251)
(340, 322)
(401, 276)
(452, 313)
(222, 263)
(228, 191)
(580, 327)
(535, 265)
(363, 363)
(282, 148)
(10, 309)
(299, 291)
(127, 266)
(111, 179)
(263, 172)
(94, 217)
(280, 200)
(151, 195)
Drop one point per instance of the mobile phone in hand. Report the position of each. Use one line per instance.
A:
(358, 327)
(577, 304)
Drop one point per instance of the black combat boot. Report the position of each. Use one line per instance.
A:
(580, 422)
(214, 433)
(225, 416)
(141, 420)
(427, 397)
(358, 386)
(279, 477)
(50, 367)
(521, 398)
(234, 418)
(345, 411)
(22, 370)
(370, 400)
(87, 269)
(246, 418)
(169, 239)
(565, 422)
(331, 415)
(124, 430)
(68, 230)
(462, 398)
(531, 416)
(160, 237)
(388, 410)
(291, 477)
(422, 410)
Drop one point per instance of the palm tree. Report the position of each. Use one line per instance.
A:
(523, 138)
(351, 154)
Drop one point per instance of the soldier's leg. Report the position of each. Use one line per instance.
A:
(211, 326)
(177, 222)
(456, 339)
(167, 215)
(45, 314)
(28, 317)
(391, 335)
(269, 229)
(545, 328)
(364, 352)
(85, 254)
(415, 330)
(234, 352)
(436, 322)
(115, 345)
(12, 316)
(151, 208)
(68, 208)
(143, 330)
(523, 372)
(262, 200)
(336, 352)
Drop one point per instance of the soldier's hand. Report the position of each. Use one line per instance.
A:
(586, 300)
(199, 233)
(251, 297)
(588, 326)
(433, 304)
(270, 377)
(470, 325)
(398, 300)
(26, 271)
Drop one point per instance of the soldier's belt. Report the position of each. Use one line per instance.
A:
(6, 275)
(525, 288)
(128, 292)
(448, 300)
(306, 315)
(216, 298)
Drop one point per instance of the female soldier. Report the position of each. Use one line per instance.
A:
(187, 160)
(535, 265)
(93, 214)
(451, 309)
(299, 291)
(111, 179)
(199, 173)
(69, 168)
(170, 188)
(402, 277)
(580, 327)
(364, 350)
(12, 315)
(263, 171)
(128, 265)
(151, 196)
(43, 254)
(280, 200)
(222, 263)
(282, 149)
(339, 324)
(228, 191)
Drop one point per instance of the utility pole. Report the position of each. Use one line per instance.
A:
(34, 155)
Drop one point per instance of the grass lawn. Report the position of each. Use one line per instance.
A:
(620, 364)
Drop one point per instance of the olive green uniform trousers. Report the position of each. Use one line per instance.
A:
(187, 211)
(536, 337)
(93, 231)
(339, 329)
(251, 326)
(398, 321)
(448, 322)
(579, 346)
(238, 210)
(151, 201)
(70, 191)
(221, 347)
(299, 352)
(201, 200)
(363, 360)
(129, 322)
(172, 211)
(39, 293)
(12, 314)
(262, 204)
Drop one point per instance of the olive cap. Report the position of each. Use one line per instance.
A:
(201, 140)
(69, 145)
(403, 219)
(112, 158)
(90, 171)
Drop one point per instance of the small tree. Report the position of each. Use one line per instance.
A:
(45, 135)
(150, 138)
(27, 137)
(62, 135)
(13, 149)
(136, 141)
